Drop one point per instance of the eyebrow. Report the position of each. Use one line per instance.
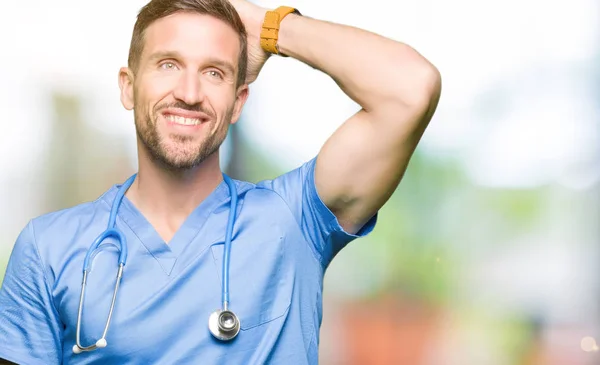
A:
(218, 62)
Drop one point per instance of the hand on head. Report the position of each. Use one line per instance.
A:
(252, 16)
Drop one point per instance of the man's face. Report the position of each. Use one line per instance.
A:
(184, 93)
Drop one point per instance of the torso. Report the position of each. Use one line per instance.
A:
(168, 291)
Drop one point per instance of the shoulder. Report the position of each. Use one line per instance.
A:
(286, 191)
(52, 238)
(57, 235)
(69, 220)
(259, 195)
(291, 185)
(286, 185)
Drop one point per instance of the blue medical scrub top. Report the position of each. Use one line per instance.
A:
(283, 240)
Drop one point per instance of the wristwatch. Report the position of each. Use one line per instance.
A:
(270, 28)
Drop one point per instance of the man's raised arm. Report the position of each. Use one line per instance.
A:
(362, 163)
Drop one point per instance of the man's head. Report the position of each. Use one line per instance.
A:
(186, 78)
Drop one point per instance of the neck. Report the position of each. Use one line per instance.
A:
(167, 197)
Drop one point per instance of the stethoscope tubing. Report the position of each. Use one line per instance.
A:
(227, 244)
(121, 241)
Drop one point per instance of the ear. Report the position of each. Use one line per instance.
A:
(240, 100)
(126, 85)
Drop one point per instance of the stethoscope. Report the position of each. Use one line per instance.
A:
(222, 323)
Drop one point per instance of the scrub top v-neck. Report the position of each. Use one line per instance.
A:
(283, 240)
(187, 237)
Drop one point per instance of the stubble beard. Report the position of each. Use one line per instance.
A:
(176, 152)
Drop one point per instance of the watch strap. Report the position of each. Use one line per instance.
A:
(269, 34)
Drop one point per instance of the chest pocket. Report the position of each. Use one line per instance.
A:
(260, 282)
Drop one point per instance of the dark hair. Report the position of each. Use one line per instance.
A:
(157, 9)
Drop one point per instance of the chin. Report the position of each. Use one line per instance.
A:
(180, 163)
(179, 158)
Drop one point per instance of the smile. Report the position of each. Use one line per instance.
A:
(182, 120)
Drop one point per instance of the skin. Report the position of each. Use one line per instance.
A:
(362, 163)
(357, 169)
(187, 69)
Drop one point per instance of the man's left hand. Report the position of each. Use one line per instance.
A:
(253, 16)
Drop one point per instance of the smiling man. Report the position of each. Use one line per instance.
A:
(187, 240)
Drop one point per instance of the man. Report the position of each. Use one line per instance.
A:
(190, 64)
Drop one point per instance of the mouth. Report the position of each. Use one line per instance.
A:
(185, 118)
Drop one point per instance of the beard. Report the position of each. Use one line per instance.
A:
(177, 152)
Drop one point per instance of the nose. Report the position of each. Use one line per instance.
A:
(188, 88)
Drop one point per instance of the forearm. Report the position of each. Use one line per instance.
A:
(376, 72)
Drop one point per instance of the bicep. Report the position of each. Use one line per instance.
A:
(362, 163)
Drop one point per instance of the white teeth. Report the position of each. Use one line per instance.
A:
(183, 121)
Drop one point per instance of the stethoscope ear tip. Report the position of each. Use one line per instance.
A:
(101, 343)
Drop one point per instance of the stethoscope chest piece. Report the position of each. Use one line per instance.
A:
(224, 325)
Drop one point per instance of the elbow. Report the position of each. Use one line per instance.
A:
(432, 83)
(411, 81)
(425, 89)
(413, 101)
(408, 83)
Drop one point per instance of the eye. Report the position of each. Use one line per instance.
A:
(215, 73)
(168, 66)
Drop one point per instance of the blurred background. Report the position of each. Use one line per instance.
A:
(487, 254)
